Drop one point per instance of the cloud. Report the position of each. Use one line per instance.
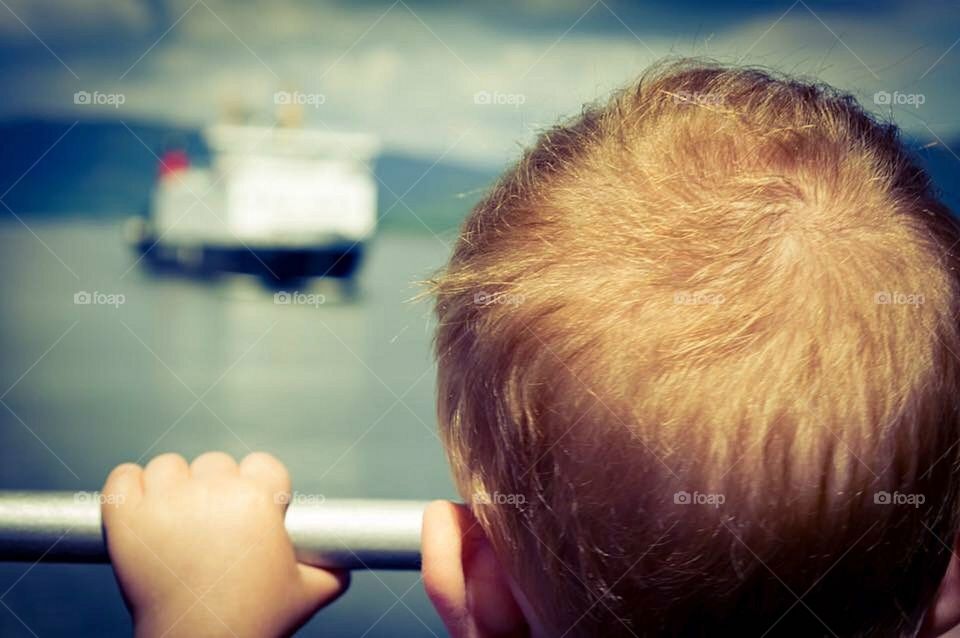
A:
(61, 22)
(413, 76)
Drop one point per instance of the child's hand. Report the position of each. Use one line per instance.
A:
(201, 550)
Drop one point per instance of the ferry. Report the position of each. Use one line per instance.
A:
(282, 203)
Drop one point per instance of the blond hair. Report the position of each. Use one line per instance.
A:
(697, 367)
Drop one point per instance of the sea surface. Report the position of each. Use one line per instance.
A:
(340, 388)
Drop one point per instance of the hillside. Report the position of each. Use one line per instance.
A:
(100, 168)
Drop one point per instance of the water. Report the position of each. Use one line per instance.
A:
(342, 392)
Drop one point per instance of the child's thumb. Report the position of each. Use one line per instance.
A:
(322, 586)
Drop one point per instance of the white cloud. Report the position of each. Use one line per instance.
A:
(412, 78)
(56, 20)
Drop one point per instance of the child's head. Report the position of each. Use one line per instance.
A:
(698, 371)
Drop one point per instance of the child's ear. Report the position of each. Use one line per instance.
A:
(463, 578)
(943, 615)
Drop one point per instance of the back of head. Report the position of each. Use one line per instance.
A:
(697, 365)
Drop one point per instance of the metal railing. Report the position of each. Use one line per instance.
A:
(65, 527)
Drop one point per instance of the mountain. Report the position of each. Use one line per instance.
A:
(943, 165)
(106, 168)
(440, 195)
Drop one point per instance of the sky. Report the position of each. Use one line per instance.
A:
(469, 82)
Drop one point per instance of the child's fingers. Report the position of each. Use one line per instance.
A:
(163, 471)
(268, 472)
(212, 464)
(322, 586)
(124, 486)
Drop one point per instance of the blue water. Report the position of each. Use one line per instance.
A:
(343, 393)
